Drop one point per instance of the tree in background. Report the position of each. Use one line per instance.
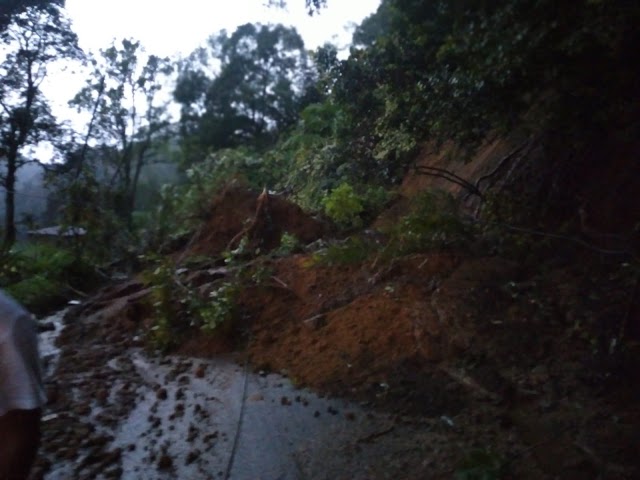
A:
(242, 88)
(34, 38)
(8, 8)
(127, 120)
(457, 70)
(313, 6)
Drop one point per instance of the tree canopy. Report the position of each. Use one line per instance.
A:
(242, 87)
(8, 8)
(34, 38)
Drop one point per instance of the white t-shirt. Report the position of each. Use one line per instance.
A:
(20, 372)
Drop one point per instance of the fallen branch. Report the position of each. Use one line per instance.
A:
(469, 382)
(449, 176)
(262, 206)
(502, 162)
(565, 237)
(372, 436)
(76, 291)
(280, 282)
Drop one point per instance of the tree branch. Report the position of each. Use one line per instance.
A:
(450, 176)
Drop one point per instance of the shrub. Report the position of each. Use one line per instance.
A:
(218, 309)
(42, 276)
(344, 206)
(434, 222)
(289, 243)
(163, 301)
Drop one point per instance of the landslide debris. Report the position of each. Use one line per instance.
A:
(505, 353)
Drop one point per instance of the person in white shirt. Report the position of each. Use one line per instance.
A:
(22, 394)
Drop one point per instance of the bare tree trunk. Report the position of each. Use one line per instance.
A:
(10, 202)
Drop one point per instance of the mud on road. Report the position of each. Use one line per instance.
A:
(117, 411)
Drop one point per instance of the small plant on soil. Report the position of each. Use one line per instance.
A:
(163, 302)
(353, 250)
(289, 243)
(259, 275)
(219, 308)
(177, 307)
(232, 256)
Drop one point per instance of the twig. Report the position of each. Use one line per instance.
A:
(591, 454)
(76, 291)
(280, 282)
(185, 250)
(372, 436)
(312, 319)
(467, 381)
(262, 205)
(502, 162)
(564, 237)
(450, 176)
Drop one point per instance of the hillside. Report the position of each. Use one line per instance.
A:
(439, 232)
(527, 347)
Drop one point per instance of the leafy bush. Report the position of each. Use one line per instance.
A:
(42, 276)
(178, 307)
(164, 300)
(289, 243)
(218, 308)
(344, 206)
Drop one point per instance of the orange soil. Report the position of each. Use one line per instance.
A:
(497, 347)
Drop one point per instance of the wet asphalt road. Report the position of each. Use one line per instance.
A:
(119, 412)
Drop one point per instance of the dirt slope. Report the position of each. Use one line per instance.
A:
(513, 352)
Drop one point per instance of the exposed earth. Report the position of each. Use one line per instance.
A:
(447, 363)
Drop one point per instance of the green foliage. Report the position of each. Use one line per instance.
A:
(353, 250)
(310, 158)
(344, 206)
(162, 299)
(184, 205)
(232, 257)
(289, 243)
(218, 309)
(254, 95)
(178, 307)
(37, 293)
(122, 94)
(433, 223)
(15, 7)
(242, 163)
(32, 40)
(42, 276)
(459, 70)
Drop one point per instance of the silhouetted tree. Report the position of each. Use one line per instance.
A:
(33, 39)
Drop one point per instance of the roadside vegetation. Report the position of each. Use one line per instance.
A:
(285, 159)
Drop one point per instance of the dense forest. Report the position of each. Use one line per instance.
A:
(383, 149)
(255, 103)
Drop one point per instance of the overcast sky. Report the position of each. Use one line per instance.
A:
(169, 27)
(177, 27)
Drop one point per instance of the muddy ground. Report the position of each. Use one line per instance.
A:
(434, 364)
